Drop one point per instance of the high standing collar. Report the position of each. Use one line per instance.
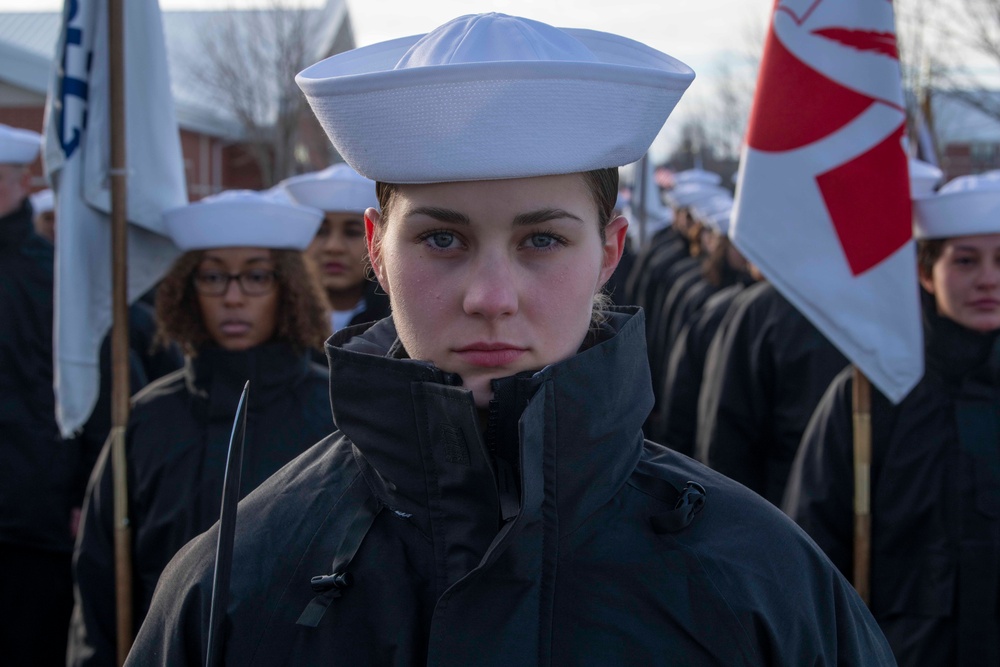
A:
(585, 415)
(218, 375)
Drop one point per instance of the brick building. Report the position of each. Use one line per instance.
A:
(969, 138)
(213, 141)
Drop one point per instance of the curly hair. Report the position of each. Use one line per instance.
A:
(302, 316)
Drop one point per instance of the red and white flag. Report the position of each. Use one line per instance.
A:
(823, 201)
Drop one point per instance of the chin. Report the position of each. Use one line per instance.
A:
(984, 325)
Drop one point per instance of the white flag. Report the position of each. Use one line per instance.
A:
(77, 161)
(823, 201)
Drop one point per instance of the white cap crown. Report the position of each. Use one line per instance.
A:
(337, 189)
(965, 206)
(18, 146)
(493, 96)
(242, 218)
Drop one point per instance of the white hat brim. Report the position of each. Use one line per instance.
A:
(333, 196)
(493, 120)
(242, 224)
(687, 197)
(962, 213)
(18, 146)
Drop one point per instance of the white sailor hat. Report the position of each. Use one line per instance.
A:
(242, 218)
(338, 188)
(697, 176)
(18, 146)
(491, 96)
(687, 195)
(714, 212)
(924, 178)
(42, 201)
(721, 219)
(965, 206)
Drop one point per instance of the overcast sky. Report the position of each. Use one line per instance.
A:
(702, 33)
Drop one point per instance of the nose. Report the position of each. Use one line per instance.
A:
(491, 288)
(233, 295)
(334, 242)
(989, 277)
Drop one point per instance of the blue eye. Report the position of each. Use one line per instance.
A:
(542, 241)
(440, 240)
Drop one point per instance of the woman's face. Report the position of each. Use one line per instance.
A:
(965, 281)
(490, 278)
(234, 319)
(339, 252)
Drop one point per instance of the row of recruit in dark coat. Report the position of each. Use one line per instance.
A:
(747, 385)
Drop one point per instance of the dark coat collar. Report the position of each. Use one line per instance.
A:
(954, 353)
(580, 432)
(16, 226)
(218, 375)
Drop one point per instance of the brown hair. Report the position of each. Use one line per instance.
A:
(928, 252)
(302, 313)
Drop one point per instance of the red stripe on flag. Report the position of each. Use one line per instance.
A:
(868, 200)
(795, 105)
(862, 40)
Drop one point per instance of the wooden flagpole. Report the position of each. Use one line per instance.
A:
(861, 398)
(119, 328)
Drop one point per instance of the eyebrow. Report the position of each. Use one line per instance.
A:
(520, 220)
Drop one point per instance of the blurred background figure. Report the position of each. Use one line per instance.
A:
(43, 206)
(42, 476)
(935, 476)
(338, 251)
(680, 347)
(772, 368)
(242, 305)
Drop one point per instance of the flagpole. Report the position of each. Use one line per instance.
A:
(119, 329)
(861, 399)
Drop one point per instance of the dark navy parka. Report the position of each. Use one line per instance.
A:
(177, 441)
(560, 537)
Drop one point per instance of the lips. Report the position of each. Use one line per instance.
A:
(334, 268)
(490, 355)
(235, 327)
(985, 304)
(862, 40)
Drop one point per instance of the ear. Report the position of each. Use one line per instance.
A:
(372, 220)
(614, 246)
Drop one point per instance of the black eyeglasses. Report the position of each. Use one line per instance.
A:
(255, 282)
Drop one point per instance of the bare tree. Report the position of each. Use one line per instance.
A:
(963, 46)
(247, 61)
(714, 128)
